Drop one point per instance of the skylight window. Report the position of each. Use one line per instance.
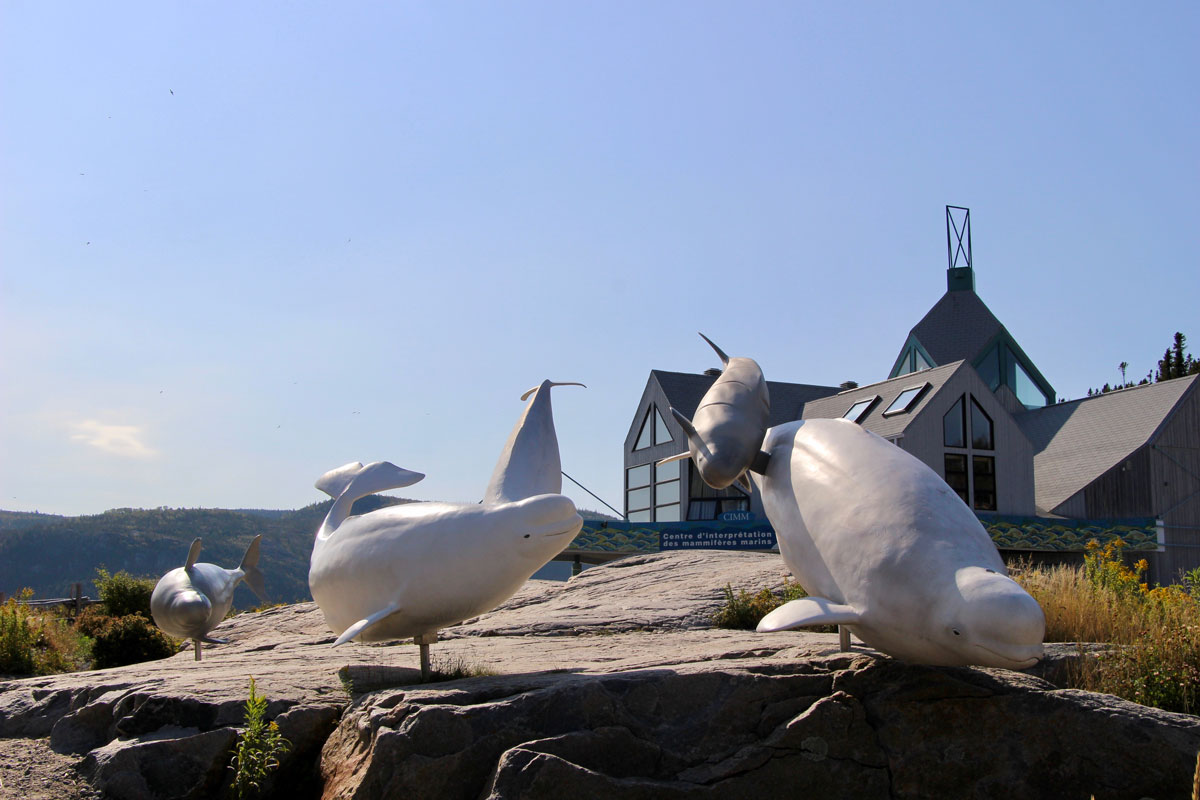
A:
(906, 400)
(860, 409)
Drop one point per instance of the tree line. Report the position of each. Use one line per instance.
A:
(1175, 363)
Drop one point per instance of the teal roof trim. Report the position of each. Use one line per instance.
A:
(1007, 372)
(910, 344)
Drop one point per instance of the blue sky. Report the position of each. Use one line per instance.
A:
(244, 243)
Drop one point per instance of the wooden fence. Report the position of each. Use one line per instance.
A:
(77, 601)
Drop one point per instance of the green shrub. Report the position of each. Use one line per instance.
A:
(743, 610)
(258, 749)
(16, 639)
(92, 620)
(1191, 581)
(122, 594)
(130, 639)
(37, 642)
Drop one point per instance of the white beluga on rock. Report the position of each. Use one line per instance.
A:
(885, 548)
(191, 600)
(412, 569)
(727, 428)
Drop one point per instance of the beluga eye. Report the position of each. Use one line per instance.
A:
(526, 536)
(956, 631)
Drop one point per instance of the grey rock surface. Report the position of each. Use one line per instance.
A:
(612, 684)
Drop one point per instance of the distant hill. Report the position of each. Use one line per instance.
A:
(49, 553)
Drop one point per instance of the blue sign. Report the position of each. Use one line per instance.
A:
(718, 537)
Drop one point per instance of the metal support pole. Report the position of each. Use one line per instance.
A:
(576, 567)
(844, 638)
(423, 641)
(196, 647)
(77, 594)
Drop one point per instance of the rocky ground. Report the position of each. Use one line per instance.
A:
(613, 684)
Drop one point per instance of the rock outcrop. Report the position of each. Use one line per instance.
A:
(611, 685)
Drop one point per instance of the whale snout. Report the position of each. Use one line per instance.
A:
(549, 515)
(1004, 625)
(191, 609)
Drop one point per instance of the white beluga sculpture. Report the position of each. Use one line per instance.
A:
(412, 569)
(727, 429)
(885, 548)
(191, 600)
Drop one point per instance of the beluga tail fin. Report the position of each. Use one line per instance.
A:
(529, 464)
(193, 553)
(249, 568)
(352, 481)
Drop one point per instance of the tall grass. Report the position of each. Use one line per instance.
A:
(742, 610)
(1153, 633)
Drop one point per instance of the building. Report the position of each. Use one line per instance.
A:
(965, 398)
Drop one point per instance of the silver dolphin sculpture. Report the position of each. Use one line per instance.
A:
(725, 435)
(191, 600)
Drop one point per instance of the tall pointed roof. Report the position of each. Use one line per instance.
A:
(957, 328)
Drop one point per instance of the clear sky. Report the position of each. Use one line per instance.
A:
(244, 243)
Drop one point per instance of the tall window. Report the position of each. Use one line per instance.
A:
(954, 426)
(983, 474)
(981, 427)
(956, 475)
(666, 491)
(966, 436)
(637, 493)
(654, 430)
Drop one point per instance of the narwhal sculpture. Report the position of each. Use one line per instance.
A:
(191, 600)
(412, 569)
(884, 547)
(728, 426)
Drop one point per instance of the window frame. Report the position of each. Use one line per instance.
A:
(918, 391)
(870, 402)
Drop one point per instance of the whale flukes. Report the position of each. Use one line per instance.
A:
(353, 481)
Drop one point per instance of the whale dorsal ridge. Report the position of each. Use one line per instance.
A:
(193, 553)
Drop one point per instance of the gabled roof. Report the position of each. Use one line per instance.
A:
(685, 389)
(887, 391)
(957, 328)
(1075, 443)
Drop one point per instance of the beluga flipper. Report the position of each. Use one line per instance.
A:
(409, 570)
(726, 432)
(191, 600)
